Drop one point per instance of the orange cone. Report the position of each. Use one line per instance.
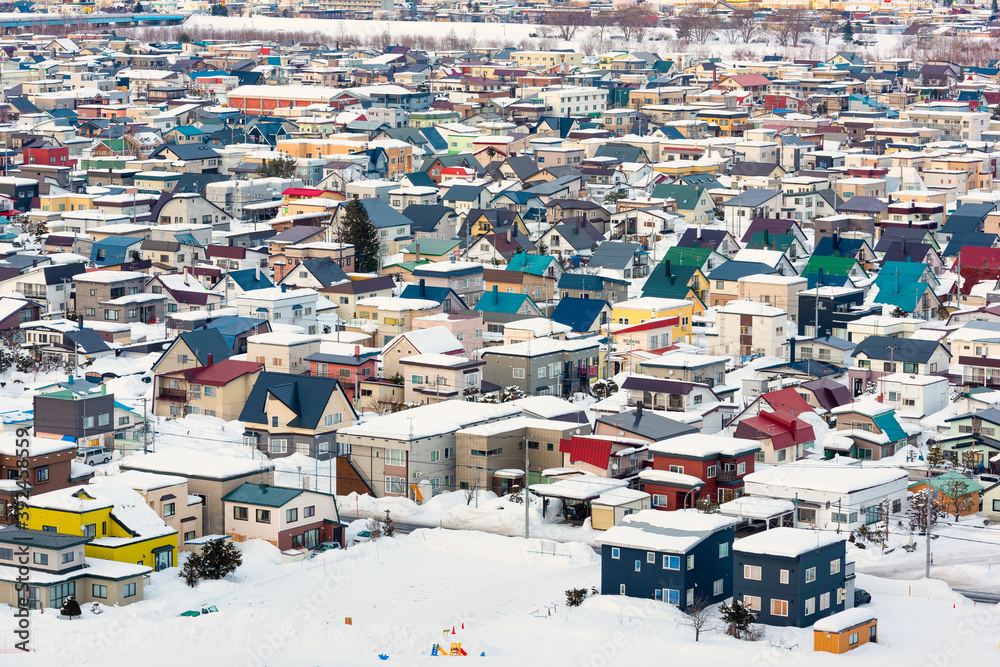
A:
(453, 629)
(463, 625)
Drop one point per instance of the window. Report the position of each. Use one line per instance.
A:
(835, 566)
(190, 535)
(671, 562)
(395, 485)
(168, 510)
(59, 593)
(679, 469)
(710, 472)
(292, 515)
(542, 371)
(100, 591)
(690, 562)
(724, 550)
(807, 515)
(661, 500)
(88, 422)
(615, 552)
(395, 457)
(621, 589)
(68, 557)
(783, 576)
(638, 566)
(810, 606)
(824, 601)
(90, 530)
(309, 511)
(751, 572)
(689, 597)
(717, 587)
(853, 639)
(6, 554)
(263, 516)
(752, 601)
(873, 514)
(209, 391)
(741, 468)
(810, 575)
(779, 607)
(279, 446)
(671, 596)
(129, 590)
(518, 373)
(42, 474)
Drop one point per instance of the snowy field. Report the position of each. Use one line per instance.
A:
(403, 593)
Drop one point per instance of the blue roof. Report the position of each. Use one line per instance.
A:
(734, 270)
(533, 264)
(587, 282)
(187, 239)
(382, 215)
(503, 302)
(305, 395)
(430, 293)
(112, 250)
(846, 247)
(829, 280)
(899, 285)
(248, 279)
(204, 342)
(578, 314)
(233, 326)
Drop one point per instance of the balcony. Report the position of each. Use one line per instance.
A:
(849, 570)
(172, 394)
(726, 476)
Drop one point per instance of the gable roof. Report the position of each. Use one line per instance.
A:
(647, 425)
(886, 348)
(577, 313)
(305, 395)
(614, 254)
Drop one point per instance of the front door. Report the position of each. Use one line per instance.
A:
(163, 560)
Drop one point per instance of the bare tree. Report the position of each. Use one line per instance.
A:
(746, 24)
(634, 21)
(831, 23)
(567, 22)
(694, 23)
(698, 615)
(956, 498)
(790, 24)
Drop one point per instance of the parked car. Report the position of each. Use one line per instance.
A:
(989, 479)
(94, 455)
(326, 546)
(861, 597)
(363, 536)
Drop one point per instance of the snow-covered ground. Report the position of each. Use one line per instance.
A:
(405, 593)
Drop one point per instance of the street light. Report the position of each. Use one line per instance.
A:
(693, 488)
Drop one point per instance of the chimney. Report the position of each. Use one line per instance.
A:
(282, 288)
(211, 360)
(357, 350)
(578, 225)
(699, 231)
(256, 273)
(508, 236)
(423, 288)
(791, 346)
(836, 240)
(666, 267)
(638, 410)
(417, 248)
(496, 296)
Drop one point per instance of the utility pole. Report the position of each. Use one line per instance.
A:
(526, 527)
(795, 512)
(145, 428)
(927, 528)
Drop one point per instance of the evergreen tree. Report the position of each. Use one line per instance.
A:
(848, 33)
(935, 456)
(219, 10)
(70, 607)
(993, 7)
(737, 617)
(189, 572)
(388, 527)
(360, 232)
(281, 167)
(139, 9)
(217, 559)
(918, 511)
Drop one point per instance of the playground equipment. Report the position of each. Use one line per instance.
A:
(456, 650)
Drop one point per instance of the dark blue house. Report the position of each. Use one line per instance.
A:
(677, 557)
(793, 576)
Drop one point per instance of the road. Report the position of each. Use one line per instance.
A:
(980, 596)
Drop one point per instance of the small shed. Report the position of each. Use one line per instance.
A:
(845, 630)
(612, 506)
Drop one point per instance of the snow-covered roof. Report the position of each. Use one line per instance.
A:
(750, 507)
(868, 407)
(547, 407)
(432, 340)
(757, 308)
(542, 346)
(148, 481)
(845, 620)
(672, 478)
(427, 421)
(440, 360)
(621, 496)
(787, 542)
(36, 446)
(397, 303)
(283, 338)
(683, 360)
(701, 445)
(822, 477)
(539, 326)
(674, 532)
(582, 487)
(192, 463)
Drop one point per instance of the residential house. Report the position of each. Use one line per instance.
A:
(217, 389)
(716, 464)
(749, 328)
(288, 518)
(874, 428)
(878, 356)
(542, 367)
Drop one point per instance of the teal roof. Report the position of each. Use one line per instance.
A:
(686, 196)
(533, 264)
(503, 302)
(187, 130)
(942, 481)
(888, 425)
(261, 494)
(899, 285)
(432, 247)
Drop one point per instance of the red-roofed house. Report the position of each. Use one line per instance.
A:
(786, 400)
(977, 265)
(216, 390)
(754, 83)
(719, 464)
(607, 456)
(782, 436)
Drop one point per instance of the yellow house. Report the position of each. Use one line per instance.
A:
(123, 527)
(637, 311)
(66, 201)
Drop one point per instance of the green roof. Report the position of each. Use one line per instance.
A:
(261, 494)
(689, 256)
(657, 284)
(409, 266)
(686, 196)
(899, 285)
(433, 247)
(835, 266)
(942, 481)
(771, 242)
(503, 302)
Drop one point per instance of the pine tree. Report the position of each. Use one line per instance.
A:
(360, 232)
(935, 456)
(70, 607)
(848, 33)
(993, 7)
(388, 527)
(917, 513)
(139, 9)
(217, 559)
(737, 617)
(280, 167)
(189, 572)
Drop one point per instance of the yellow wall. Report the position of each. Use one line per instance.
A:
(681, 332)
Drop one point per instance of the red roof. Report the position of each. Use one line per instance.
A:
(227, 251)
(782, 429)
(593, 452)
(978, 264)
(658, 323)
(302, 192)
(750, 79)
(222, 373)
(787, 400)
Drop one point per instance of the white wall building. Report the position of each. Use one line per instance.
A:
(280, 305)
(913, 397)
(752, 327)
